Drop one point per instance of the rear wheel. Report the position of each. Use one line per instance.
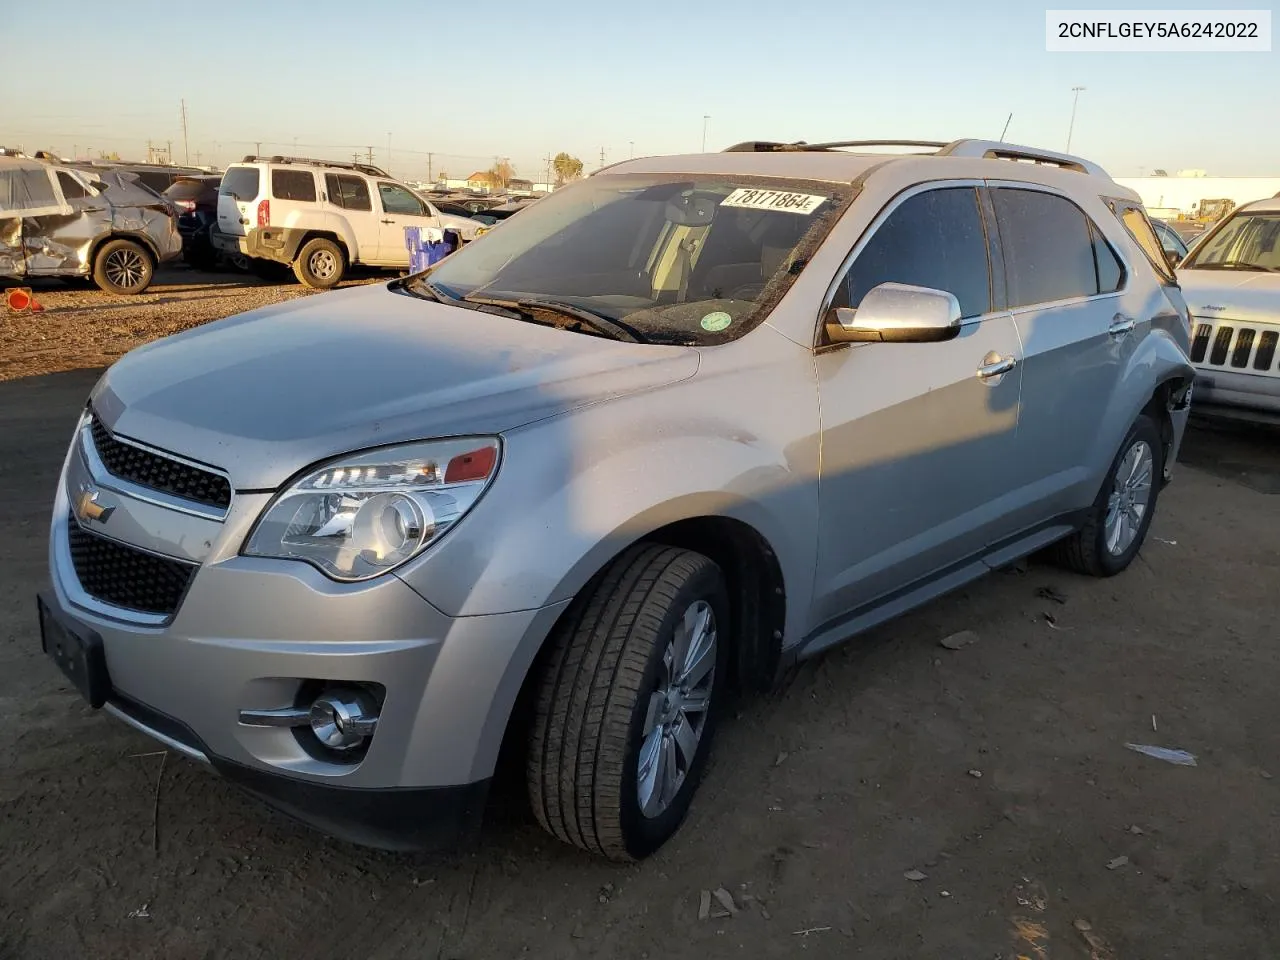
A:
(123, 266)
(627, 703)
(1121, 515)
(320, 264)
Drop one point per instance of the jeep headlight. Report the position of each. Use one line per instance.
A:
(360, 516)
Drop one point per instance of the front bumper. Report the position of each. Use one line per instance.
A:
(250, 633)
(1243, 396)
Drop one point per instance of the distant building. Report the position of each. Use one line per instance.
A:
(483, 181)
(1184, 194)
(519, 188)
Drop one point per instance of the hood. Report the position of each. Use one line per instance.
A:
(266, 393)
(1240, 295)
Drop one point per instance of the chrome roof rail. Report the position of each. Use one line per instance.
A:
(994, 149)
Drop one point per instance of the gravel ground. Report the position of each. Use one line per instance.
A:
(895, 799)
(82, 326)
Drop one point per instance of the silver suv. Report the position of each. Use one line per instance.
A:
(671, 429)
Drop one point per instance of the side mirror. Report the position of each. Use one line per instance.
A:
(897, 313)
(1173, 257)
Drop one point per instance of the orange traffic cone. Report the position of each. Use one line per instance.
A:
(21, 298)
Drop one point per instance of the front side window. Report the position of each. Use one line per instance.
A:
(672, 258)
(933, 239)
(348, 192)
(1247, 241)
(1048, 245)
(293, 185)
(396, 199)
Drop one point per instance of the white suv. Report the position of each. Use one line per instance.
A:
(322, 217)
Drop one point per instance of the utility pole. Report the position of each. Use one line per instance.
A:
(75, 151)
(150, 156)
(602, 158)
(547, 181)
(186, 150)
(706, 118)
(168, 158)
(370, 153)
(430, 175)
(197, 158)
(633, 148)
(1071, 128)
(257, 148)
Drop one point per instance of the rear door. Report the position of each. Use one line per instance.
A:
(350, 193)
(1079, 309)
(399, 208)
(238, 196)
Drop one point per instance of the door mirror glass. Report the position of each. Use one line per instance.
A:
(1173, 257)
(899, 313)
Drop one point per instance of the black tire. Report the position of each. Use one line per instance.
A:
(605, 666)
(123, 267)
(1086, 550)
(320, 264)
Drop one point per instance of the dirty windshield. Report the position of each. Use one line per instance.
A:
(1245, 242)
(656, 259)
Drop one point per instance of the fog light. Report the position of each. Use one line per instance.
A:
(343, 719)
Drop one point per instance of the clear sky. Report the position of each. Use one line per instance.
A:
(472, 81)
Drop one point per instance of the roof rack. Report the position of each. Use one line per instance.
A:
(994, 149)
(766, 146)
(365, 168)
(985, 149)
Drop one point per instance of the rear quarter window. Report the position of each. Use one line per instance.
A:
(240, 182)
(293, 185)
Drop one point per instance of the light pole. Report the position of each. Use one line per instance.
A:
(706, 118)
(1071, 127)
(633, 148)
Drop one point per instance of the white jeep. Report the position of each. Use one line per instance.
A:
(322, 217)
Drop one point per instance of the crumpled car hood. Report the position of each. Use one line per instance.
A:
(1236, 294)
(266, 393)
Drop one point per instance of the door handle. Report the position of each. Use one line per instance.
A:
(1121, 325)
(995, 366)
(388, 221)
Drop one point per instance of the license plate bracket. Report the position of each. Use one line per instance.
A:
(78, 652)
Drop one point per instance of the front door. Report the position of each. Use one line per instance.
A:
(400, 208)
(917, 438)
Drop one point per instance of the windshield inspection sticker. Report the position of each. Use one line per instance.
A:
(754, 199)
(715, 322)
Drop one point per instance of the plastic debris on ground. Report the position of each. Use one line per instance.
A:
(1169, 755)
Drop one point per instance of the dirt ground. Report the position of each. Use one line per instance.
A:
(999, 772)
(82, 326)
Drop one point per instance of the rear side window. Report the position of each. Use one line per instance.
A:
(240, 183)
(293, 185)
(934, 239)
(1110, 269)
(1049, 247)
(1135, 221)
(71, 188)
(348, 192)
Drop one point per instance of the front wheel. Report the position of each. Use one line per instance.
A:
(123, 267)
(626, 706)
(1121, 515)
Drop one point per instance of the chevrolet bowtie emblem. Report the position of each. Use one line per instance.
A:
(87, 506)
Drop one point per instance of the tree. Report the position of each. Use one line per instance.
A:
(502, 172)
(566, 167)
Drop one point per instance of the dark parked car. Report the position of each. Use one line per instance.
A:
(196, 200)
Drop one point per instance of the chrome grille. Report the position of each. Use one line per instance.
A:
(1231, 345)
(158, 472)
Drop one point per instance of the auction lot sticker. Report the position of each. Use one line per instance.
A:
(754, 199)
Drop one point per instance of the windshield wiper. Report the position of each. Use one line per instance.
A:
(1232, 265)
(597, 321)
(421, 285)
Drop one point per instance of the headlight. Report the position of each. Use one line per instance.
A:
(360, 516)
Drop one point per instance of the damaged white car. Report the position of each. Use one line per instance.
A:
(57, 221)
